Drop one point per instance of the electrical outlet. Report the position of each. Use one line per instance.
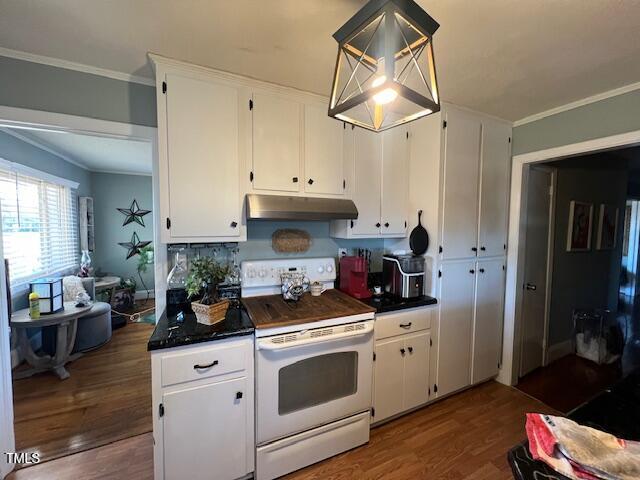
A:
(342, 252)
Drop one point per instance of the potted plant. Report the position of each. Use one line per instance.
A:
(204, 276)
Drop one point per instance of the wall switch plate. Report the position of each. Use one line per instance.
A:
(342, 252)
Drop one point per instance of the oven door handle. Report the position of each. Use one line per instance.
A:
(266, 344)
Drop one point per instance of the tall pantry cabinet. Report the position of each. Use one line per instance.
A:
(475, 174)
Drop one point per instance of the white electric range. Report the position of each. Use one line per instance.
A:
(314, 367)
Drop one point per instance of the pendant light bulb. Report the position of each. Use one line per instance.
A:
(387, 95)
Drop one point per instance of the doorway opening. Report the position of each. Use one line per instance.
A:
(78, 205)
(580, 323)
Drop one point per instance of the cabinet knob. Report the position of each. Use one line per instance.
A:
(483, 249)
(234, 224)
(238, 395)
(472, 271)
(310, 181)
(474, 249)
(386, 224)
(378, 225)
(294, 179)
(410, 349)
(481, 270)
(402, 351)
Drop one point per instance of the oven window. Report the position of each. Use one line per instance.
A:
(317, 380)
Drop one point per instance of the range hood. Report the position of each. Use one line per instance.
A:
(282, 207)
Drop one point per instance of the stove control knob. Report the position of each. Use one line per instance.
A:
(251, 273)
(262, 273)
(320, 269)
(329, 268)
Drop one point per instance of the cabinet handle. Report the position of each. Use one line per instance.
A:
(386, 224)
(378, 225)
(481, 270)
(234, 224)
(410, 349)
(310, 181)
(294, 179)
(405, 325)
(204, 367)
(402, 351)
(474, 249)
(472, 271)
(238, 395)
(483, 249)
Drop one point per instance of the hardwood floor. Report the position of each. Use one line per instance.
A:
(465, 437)
(107, 398)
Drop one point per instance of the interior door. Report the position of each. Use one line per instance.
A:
(534, 302)
(416, 369)
(395, 182)
(456, 317)
(203, 159)
(323, 152)
(488, 319)
(276, 143)
(366, 181)
(215, 444)
(460, 202)
(388, 381)
(494, 188)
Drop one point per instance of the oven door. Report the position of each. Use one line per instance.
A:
(311, 378)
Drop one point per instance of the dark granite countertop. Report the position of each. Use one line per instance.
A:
(390, 303)
(182, 328)
(615, 411)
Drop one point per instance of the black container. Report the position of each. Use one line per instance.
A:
(177, 301)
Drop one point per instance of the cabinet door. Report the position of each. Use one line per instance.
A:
(388, 378)
(276, 143)
(366, 181)
(395, 182)
(205, 432)
(456, 317)
(323, 152)
(416, 369)
(202, 158)
(494, 188)
(460, 189)
(487, 328)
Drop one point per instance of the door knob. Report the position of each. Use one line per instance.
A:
(530, 286)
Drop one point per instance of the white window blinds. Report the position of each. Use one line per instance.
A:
(39, 234)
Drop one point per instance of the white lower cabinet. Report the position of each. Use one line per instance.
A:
(401, 367)
(203, 427)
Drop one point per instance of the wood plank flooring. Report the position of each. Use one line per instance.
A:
(465, 437)
(107, 398)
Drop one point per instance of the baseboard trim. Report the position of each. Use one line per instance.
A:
(559, 350)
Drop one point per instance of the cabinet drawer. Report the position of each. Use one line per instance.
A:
(202, 363)
(398, 323)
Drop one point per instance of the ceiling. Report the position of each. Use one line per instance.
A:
(507, 58)
(94, 153)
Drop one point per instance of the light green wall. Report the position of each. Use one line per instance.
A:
(615, 115)
(110, 192)
(42, 87)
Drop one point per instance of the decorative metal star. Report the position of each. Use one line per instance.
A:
(133, 214)
(134, 246)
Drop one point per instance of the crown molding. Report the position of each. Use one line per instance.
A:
(578, 103)
(78, 67)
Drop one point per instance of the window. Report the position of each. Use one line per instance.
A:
(39, 234)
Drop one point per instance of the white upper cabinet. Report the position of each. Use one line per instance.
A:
(395, 182)
(277, 146)
(199, 168)
(366, 182)
(487, 327)
(494, 187)
(323, 152)
(460, 188)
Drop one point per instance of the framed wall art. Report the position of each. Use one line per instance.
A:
(580, 226)
(607, 227)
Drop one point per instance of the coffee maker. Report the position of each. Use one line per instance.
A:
(353, 276)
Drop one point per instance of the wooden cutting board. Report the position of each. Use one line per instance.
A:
(272, 311)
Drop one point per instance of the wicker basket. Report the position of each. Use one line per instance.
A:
(210, 314)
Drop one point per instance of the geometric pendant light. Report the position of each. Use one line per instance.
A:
(385, 73)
